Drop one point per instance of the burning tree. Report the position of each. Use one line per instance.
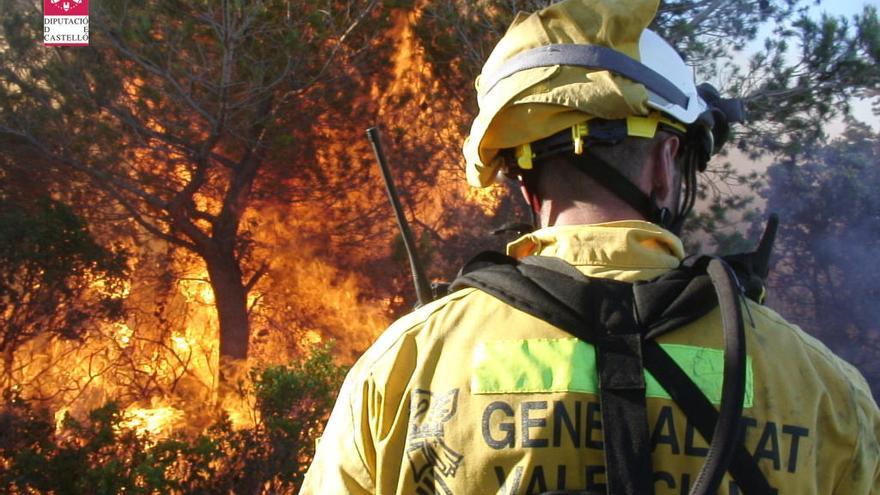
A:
(172, 113)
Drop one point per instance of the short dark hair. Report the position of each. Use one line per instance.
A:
(627, 156)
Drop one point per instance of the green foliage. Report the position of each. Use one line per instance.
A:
(807, 74)
(102, 456)
(54, 276)
(93, 455)
(710, 33)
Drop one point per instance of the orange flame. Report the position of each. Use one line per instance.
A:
(162, 363)
(154, 422)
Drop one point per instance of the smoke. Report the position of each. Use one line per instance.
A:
(825, 279)
(853, 254)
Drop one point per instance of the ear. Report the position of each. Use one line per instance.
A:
(663, 181)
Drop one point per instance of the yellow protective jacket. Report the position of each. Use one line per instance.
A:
(468, 395)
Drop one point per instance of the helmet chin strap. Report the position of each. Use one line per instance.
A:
(612, 180)
(619, 185)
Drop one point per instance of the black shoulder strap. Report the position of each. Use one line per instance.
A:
(598, 312)
(602, 312)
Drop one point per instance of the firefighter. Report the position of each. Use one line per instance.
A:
(469, 394)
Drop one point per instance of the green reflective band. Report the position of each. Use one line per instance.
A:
(569, 365)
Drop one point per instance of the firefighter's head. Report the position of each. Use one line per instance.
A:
(584, 85)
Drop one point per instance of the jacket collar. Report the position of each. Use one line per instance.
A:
(626, 250)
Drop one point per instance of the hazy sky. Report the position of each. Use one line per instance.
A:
(845, 7)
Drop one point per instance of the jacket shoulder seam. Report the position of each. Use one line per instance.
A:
(406, 324)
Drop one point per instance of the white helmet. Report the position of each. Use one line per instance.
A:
(661, 57)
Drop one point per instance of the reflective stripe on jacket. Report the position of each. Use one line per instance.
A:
(468, 395)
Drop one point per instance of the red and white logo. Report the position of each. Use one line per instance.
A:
(66, 22)
(67, 7)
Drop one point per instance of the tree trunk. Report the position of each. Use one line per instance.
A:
(230, 297)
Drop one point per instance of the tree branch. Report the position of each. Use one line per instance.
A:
(704, 14)
(332, 57)
(164, 74)
(263, 270)
(110, 185)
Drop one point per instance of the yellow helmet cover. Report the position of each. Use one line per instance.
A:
(554, 98)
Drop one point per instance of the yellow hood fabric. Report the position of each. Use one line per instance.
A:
(551, 99)
(615, 250)
(470, 396)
